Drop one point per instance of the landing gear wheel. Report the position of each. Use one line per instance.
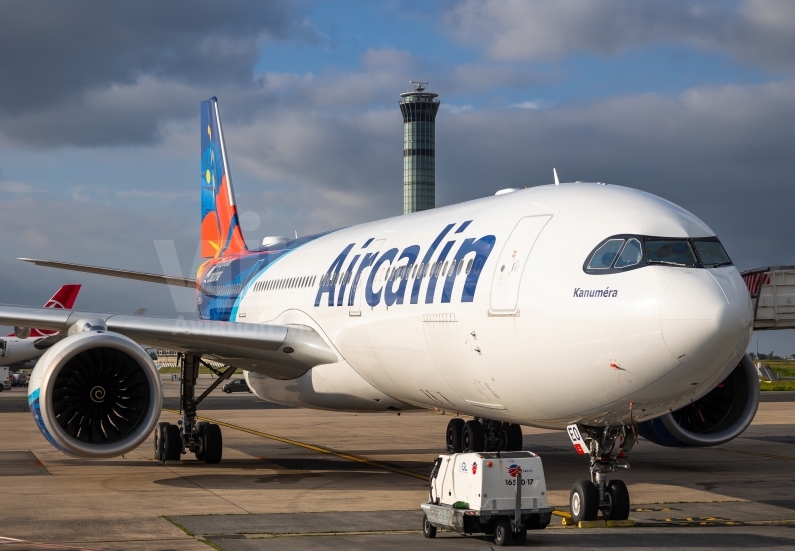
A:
(502, 532)
(213, 444)
(428, 529)
(172, 443)
(454, 437)
(473, 437)
(584, 501)
(617, 495)
(520, 537)
(159, 441)
(513, 436)
(200, 426)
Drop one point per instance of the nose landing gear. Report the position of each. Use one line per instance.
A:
(606, 447)
(478, 435)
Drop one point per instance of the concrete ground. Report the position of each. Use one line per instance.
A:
(295, 479)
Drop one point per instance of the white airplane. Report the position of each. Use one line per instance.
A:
(30, 343)
(599, 309)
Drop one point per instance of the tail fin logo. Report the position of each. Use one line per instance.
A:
(64, 298)
(220, 226)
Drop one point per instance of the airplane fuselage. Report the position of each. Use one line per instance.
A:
(486, 308)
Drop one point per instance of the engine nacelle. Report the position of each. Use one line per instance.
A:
(95, 394)
(721, 415)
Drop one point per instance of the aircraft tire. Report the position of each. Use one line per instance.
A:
(584, 501)
(514, 433)
(473, 436)
(213, 444)
(454, 438)
(159, 429)
(172, 443)
(200, 426)
(619, 501)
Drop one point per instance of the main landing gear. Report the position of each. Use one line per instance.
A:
(188, 435)
(606, 447)
(478, 435)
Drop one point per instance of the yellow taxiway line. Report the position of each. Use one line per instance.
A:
(320, 449)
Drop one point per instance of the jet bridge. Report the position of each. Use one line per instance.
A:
(772, 292)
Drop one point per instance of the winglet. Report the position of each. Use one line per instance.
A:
(555, 172)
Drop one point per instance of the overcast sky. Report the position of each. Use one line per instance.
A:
(99, 143)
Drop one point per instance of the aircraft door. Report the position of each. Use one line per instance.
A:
(357, 285)
(511, 264)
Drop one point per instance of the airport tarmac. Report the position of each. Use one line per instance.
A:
(296, 479)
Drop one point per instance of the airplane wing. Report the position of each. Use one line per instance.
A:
(278, 351)
(114, 272)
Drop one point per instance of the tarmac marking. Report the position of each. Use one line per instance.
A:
(757, 454)
(320, 449)
(12, 541)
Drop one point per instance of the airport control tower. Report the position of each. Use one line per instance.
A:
(419, 148)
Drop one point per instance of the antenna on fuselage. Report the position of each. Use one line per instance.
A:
(555, 173)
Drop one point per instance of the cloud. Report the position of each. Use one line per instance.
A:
(454, 109)
(98, 74)
(57, 51)
(17, 187)
(759, 31)
(528, 105)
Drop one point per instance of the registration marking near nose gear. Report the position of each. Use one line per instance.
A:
(320, 449)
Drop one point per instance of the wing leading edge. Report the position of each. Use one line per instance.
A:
(278, 351)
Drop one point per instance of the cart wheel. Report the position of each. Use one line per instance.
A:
(502, 532)
(428, 529)
(520, 537)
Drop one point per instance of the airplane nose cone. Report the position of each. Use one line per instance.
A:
(704, 323)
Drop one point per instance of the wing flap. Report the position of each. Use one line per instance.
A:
(278, 351)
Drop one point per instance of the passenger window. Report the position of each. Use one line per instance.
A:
(469, 266)
(603, 257)
(630, 254)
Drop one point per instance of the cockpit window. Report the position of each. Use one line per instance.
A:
(621, 253)
(711, 252)
(630, 255)
(604, 256)
(674, 252)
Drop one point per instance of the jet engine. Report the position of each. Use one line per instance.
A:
(95, 394)
(719, 416)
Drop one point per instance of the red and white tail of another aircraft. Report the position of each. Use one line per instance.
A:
(14, 349)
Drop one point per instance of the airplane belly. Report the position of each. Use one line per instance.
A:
(392, 354)
(333, 387)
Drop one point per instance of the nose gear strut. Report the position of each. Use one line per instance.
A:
(606, 448)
